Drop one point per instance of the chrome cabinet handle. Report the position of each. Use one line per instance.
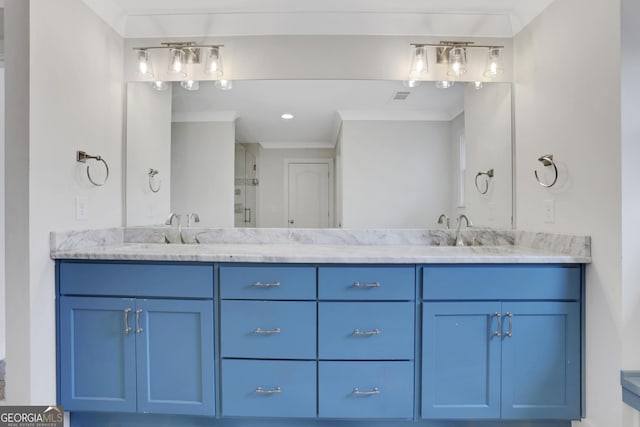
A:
(268, 391)
(266, 331)
(127, 328)
(267, 285)
(138, 328)
(366, 285)
(497, 333)
(374, 390)
(509, 333)
(357, 331)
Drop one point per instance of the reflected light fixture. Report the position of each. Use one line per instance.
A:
(190, 84)
(444, 84)
(181, 54)
(159, 85)
(224, 84)
(478, 85)
(411, 83)
(494, 63)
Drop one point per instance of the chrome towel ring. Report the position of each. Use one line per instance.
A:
(489, 175)
(152, 173)
(82, 157)
(547, 160)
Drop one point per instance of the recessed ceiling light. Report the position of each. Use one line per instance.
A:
(287, 116)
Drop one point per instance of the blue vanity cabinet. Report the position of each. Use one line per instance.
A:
(268, 340)
(130, 353)
(515, 358)
(366, 336)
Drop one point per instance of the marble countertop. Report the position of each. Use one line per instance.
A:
(394, 250)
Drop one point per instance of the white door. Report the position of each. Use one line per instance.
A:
(308, 195)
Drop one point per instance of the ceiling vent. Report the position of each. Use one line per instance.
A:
(401, 96)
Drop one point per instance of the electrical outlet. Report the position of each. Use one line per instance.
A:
(549, 213)
(82, 208)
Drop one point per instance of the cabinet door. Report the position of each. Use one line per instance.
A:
(175, 356)
(460, 360)
(97, 354)
(541, 360)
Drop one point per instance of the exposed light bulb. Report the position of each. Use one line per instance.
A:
(444, 84)
(419, 64)
(190, 84)
(159, 85)
(145, 67)
(213, 64)
(478, 85)
(457, 61)
(494, 63)
(176, 61)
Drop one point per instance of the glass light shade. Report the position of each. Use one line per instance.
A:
(176, 62)
(494, 63)
(444, 84)
(213, 63)
(145, 67)
(224, 84)
(190, 84)
(419, 65)
(478, 85)
(159, 85)
(457, 61)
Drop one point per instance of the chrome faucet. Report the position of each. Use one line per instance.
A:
(459, 241)
(443, 219)
(169, 221)
(192, 217)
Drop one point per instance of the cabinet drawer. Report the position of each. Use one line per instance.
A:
(268, 388)
(268, 329)
(500, 282)
(266, 282)
(136, 279)
(365, 389)
(366, 330)
(366, 283)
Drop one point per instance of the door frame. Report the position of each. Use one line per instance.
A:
(327, 161)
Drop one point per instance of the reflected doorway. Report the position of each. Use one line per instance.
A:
(309, 193)
(246, 186)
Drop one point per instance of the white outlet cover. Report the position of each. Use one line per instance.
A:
(82, 208)
(549, 213)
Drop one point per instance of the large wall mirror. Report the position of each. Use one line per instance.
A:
(355, 154)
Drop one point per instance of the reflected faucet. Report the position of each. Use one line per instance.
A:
(443, 219)
(169, 221)
(192, 217)
(459, 241)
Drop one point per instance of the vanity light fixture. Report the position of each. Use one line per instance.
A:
(224, 84)
(180, 55)
(453, 54)
(287, 116)
(190, 84)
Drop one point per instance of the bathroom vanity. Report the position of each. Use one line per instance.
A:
(221, 333)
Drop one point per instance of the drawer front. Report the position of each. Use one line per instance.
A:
(268, 329)
(501, 282)
(268, 388)
(267, 282)
(136, 279)
(366, 330)
(365, 389)
(366, 283)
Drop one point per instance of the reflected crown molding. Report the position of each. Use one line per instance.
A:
(204, 116)
(399, 115)
(293, 144)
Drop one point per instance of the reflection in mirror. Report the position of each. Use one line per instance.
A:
(354, 154)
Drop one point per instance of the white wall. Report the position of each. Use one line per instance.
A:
(202, 162)
(59, 105)
(457, 131)
(395, 173)
(487, 116)
(3, 300)
(271, 208)
(567, 103)
(148, 145)
(630, 84)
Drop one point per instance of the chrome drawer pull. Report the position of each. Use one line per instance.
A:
(266, 331)
(127, 328)
(267, 391)
(267, 285)
(366, 285)
(509, 333)
(357, 331)
(357, 391)
(498, 332)
(138, 327)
